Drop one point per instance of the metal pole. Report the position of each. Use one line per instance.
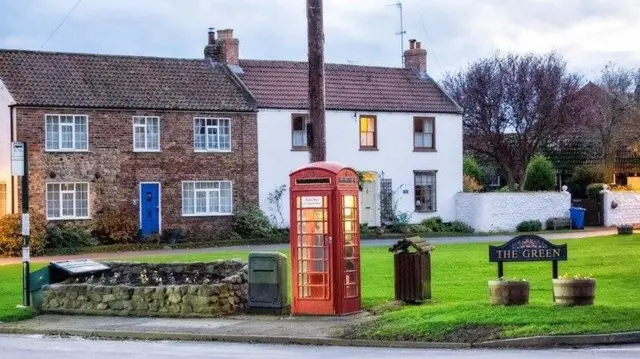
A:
(26, 301)
(401, 34)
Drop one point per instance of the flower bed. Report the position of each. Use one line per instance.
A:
(193, 289)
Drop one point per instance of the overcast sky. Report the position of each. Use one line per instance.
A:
(588, 33)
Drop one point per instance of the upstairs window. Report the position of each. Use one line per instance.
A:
(424, 133)
(146, 133)
(299, 131)
(212, 134)
(425, 191)
(66, 133)
(368, 138)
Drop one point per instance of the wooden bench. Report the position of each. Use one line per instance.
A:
(560, 223)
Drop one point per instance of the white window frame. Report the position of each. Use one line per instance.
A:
(73, 133)
(145, 126)
(206, 214)
(60, 193)
(207, 127)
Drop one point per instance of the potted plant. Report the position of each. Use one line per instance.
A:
(512, 291)
(625, 229)
(576, 290)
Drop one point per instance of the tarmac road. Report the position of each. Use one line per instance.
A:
(42, 347)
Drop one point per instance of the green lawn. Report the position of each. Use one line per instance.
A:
(460, 310)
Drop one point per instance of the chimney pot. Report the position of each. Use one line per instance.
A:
(415, 57)
(412, 44)
(418, 45)
(212, 36)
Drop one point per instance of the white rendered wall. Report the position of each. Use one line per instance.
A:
(395, 155)
(5, 142)
(495, 212)
(627, 209)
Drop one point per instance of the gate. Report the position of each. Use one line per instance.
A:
(593, 216)
(386, 201)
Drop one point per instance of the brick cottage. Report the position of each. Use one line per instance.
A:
(174, 140)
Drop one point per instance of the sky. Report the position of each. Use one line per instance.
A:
(588, 33)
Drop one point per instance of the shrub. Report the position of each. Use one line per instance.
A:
(458, 227)
(418, 228)
(471, 168)
(469, 184)
(115, 226)
(582, 177)
(541, 176)
(70, 235)
(253, 223)
(11, 234)
(433, 224)
(530, 226)
(594, 189)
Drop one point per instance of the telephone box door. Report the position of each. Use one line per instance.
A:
(311, 252)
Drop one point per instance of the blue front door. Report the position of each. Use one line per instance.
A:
(149, 208)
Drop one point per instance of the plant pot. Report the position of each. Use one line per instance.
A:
(625, 230)
(504, 292)
(570, 292)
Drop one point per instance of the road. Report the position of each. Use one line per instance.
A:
(278, 247)
(40, 347)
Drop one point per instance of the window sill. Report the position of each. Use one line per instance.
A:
(212, 151)
(68, 218)
(300, 149)
(66, 151)
(426, 211)
(146, 151)
(369, 149)
(208, 215)
(421, 149)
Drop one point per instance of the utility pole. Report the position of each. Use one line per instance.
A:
(316, 137)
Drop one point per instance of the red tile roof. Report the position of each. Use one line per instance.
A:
(105, 81)
(284, 84)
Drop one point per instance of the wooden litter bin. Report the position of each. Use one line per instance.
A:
(412, 269)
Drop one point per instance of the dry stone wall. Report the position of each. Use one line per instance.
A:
(227, 296)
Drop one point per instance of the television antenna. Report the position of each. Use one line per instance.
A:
(402, 32)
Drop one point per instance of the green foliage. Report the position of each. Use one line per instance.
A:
(471, 168)
(434, 224)
(70, 234)
(116, 225)
(582, 177)
(469, 184)
(275, 200)
(401, 222)
(541, 176)
(549, 223)
(530, 226)
(457, 227)
(252, 223)
(506, 189)
(11, 234)
(594, 189)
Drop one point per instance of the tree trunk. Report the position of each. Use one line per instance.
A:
(318, 150)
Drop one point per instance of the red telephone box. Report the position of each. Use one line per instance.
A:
(325, 240)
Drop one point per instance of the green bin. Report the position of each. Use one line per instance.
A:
(37, 280)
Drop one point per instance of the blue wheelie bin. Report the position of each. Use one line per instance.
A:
(577, 217)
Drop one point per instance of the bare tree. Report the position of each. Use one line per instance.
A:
(513, 105)
(613, 111)
(317, 140)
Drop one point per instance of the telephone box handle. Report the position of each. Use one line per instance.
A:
(329, 238)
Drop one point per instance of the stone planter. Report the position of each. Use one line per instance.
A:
(570, 292)
(625, 230)
(505, 292)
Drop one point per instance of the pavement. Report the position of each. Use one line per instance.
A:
(42, 347)
(278, 247)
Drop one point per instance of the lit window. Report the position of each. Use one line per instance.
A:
(367, 132)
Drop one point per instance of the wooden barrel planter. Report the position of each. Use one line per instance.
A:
(506, 292)
(570, 292)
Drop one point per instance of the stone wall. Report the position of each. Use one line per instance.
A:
(498, 211)
(229, 295)
(626, 211)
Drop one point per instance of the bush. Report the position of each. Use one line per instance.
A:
(541, 176)
(401, 222)
(582, 177)
(253, 223)
(115, 226)
(469, 184)
(11, 234)
(70, 235)
(594, 189)
(471, 168)
(458, 227)
(433, 224)
(530, 226)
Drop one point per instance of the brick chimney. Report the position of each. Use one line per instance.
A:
(224, 48)
(210, 51)
(415, 57)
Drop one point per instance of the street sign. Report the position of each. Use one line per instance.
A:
(17, 158)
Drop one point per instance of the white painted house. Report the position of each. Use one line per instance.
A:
(396, 124)
(5, 147)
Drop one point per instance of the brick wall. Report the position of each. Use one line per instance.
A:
(113, 170)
